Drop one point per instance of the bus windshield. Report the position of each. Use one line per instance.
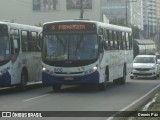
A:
(4, 48)
(70, 47)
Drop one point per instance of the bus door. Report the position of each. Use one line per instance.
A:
(15, 49)
(35, 57)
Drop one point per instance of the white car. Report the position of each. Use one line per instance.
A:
(145, 66)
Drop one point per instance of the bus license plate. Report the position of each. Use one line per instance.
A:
(68, 78)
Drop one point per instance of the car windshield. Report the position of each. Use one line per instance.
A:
(158, 56)
(4, 48)
(144, 60)
(70, 47)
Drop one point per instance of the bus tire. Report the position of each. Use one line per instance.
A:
(103, 86)
(122, 80)
(23, 84)
(56, 87)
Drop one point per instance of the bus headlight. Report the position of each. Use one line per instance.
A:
(91, 70)
(3, 72)
(44, 69)
(94, 68)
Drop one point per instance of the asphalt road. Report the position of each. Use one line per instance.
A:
(77, 98)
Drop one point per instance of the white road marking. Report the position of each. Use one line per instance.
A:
(135, 102)
(35, 98)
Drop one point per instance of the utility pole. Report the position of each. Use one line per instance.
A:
(81, 9)
(127, 13)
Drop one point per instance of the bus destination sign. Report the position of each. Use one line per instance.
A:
(70, 26)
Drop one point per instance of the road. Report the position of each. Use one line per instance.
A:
(76, 98)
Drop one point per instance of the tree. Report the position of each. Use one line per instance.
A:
(135, 32)
(121, 22)
(116, 21)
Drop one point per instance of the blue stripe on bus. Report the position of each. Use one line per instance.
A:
(5, 79)
(85, 79)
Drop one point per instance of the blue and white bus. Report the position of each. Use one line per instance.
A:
(85, 52)
(20, 55)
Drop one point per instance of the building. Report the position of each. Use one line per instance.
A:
(130, 12)
(158, 14)
(35, 12)
(150, 18)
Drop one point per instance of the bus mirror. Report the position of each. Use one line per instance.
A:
(40, 40)
(100, 38)
(38, 48)
(40, 36)
(15, 42)
(105, 45)
(100, 32)
(101, 46)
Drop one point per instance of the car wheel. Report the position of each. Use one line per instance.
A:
(56, 87)
(155, 77)
(131, 77)
(158, 76)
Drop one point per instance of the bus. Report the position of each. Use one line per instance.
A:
(20, 55)
(78, 52)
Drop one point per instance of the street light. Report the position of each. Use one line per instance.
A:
(127, 9)
(81, 9)
(149, 13)
(149, 24)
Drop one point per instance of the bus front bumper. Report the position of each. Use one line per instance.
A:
(76, 80)
(5, 80)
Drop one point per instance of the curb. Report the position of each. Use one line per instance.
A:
(136, 105)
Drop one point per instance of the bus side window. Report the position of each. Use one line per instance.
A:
(24, 40)
(114, 40)
(40, 40)
(106, 38)
(15, 41)
(124, 40)
(127, 41)
(33, 42)
(130, 41)
(120, 40)
(109, 39)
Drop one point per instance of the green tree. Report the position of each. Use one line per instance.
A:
(135, 32)
(116, 21)
(121, 22)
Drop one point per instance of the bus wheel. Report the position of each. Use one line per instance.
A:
(23, 84)
(103, 86)
(56, 87)
(122, 80)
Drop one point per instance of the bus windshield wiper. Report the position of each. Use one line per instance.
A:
(60, 40)
(79, 44)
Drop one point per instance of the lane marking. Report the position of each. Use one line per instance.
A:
(35, 97)
(124, 109)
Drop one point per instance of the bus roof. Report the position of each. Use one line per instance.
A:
(21, 26)
(99, 24)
